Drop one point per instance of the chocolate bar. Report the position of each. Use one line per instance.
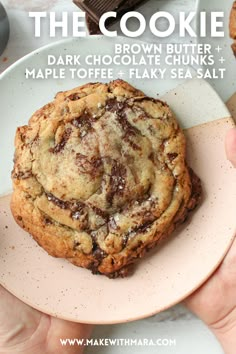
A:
(92, 26)
(96, 8)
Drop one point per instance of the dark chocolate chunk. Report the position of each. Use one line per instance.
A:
(77, 206)
(99, 254)
(152, 157)
(78, 209)
(75, 245)
(84, 123)
(60, 146)
(47, 220)
(58, 202)
(115, 106)
(172, 156)
(74, 96)
(117, 181)
(22, 175)
(138, 229)
(103, 214)
(122, 273)
(196, 190)
(130, 131)
(86, 166)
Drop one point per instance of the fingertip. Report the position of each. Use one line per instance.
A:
(230, 146)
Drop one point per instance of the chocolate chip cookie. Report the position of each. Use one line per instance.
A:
(232, 26)
(100, 176)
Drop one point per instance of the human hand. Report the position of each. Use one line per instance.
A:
(215, 301)
(25, 330)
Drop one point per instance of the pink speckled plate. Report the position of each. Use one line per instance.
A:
(165, 276)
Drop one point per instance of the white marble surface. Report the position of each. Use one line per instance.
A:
(177, 323)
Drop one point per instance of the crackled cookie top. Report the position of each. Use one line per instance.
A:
(105, 164)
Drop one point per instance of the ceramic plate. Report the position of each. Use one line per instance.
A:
(166, 275)
(225, 91)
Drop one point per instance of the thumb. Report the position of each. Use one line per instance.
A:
(230, 146)
(17, 320)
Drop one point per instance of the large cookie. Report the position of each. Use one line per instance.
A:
(100, 176)
(232, 26)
